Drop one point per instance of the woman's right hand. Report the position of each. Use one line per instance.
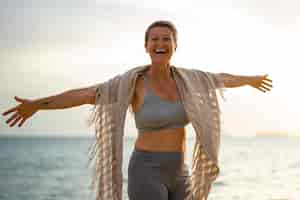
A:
(21, 112)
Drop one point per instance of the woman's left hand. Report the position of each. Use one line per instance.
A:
(262, 83)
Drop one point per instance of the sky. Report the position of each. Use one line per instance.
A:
(47, 47)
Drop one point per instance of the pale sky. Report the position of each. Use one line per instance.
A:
(47, 47)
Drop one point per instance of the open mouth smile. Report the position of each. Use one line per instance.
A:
(160, 51)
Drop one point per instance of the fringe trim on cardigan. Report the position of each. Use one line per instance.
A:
(102, 154)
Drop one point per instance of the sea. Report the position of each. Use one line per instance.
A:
(56, 168)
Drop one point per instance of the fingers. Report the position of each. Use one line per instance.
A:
(21, 123)
(20, 100)
(15, 121)
(265, 89)
(267, 79)
(259, 88)
(12, 118)
(17, 117)
(267, 84)
(14, 108)
(10, 110)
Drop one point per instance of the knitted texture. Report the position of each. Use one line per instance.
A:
(197, 91)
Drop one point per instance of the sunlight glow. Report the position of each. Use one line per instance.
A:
(217, 36)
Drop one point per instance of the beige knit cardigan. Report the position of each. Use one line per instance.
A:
(197, 91)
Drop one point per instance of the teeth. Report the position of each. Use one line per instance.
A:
(160, 50)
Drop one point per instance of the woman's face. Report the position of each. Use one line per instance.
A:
(160, 45)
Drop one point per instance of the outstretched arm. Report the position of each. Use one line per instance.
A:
(26, 107)
(262, 83)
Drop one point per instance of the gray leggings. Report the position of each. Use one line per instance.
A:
(157, 176)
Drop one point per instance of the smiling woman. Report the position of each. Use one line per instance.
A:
(160, 45)
(164, 99)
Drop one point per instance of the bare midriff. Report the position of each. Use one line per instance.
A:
(166, 140)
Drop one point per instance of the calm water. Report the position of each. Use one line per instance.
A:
(258, 168)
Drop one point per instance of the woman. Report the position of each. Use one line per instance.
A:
(164, 99)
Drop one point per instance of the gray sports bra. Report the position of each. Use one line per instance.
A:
(157, 113)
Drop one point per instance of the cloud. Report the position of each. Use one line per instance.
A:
(283, 14)
(64, 23)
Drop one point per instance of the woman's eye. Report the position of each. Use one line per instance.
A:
(163, 39)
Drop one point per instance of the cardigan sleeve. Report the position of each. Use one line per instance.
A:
(217, 83)
(213, 80)
(216, 80)
(106, 91)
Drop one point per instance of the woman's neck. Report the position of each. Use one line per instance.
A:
(160, 71)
